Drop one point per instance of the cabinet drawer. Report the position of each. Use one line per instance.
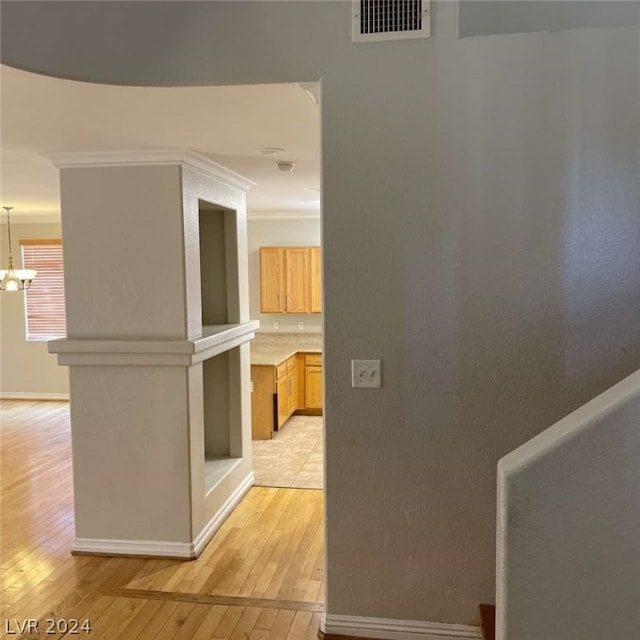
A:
(313, 359)
(281, 371)
(291, 364)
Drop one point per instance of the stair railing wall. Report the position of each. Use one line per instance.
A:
(568, 543)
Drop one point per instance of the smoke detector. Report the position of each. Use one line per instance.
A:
(285, 166)
(271, 151)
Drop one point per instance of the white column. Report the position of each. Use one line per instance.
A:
(145, 477)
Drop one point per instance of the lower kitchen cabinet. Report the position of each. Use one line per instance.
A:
(313, 381)
(294, 385)
(263, 382)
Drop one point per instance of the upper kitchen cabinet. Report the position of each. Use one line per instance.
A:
(315, 274)
(290, 280)
(296, 261)
(272, 280)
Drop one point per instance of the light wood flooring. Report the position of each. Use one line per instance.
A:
(260, 578)
(293, 458)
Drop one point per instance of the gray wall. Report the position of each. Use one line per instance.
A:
(480, 236)
(280, 233)
(490, 17)
(26, 367)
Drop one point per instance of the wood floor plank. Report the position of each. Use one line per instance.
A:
(203, 598)
(210, 622)
(260, 578)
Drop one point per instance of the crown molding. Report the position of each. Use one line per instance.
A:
(32, 218)
(283, 215)
(153, 157)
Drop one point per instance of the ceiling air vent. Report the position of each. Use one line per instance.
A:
(390, 20)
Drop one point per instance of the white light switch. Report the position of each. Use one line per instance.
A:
(366, 374)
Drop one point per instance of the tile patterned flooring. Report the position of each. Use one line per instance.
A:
(293, 458)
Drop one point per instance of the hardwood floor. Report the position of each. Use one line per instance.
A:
(260, 578)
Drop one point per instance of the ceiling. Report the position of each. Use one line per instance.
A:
(229, 124)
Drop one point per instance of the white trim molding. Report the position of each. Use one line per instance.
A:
(185, 157)
(32, 395)
(150, 548)
(387, 629)
(283, 215)
(215, 523)
(183, 353)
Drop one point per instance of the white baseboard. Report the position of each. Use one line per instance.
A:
(153, 548)
(165, 549)
(214, 524)
(29, 395)
(387, 629)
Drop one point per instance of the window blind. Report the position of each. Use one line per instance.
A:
(44, 299)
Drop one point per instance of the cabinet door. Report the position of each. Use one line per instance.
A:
(293, 388)
(300, 379)
(272, 280)
(297, 279)
(315, 285)
(283, 400)
(262, 402)
(313, 387)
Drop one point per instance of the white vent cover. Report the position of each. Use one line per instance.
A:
(389, 20)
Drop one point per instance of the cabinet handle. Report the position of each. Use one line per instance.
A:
(279, 305)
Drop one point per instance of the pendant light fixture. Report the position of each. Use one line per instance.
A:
(14, 279)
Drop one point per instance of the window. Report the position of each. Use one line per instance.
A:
(44, 299)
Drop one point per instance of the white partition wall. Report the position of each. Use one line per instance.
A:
(157, 347)
(568, 520)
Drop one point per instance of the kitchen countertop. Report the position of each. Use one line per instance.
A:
(272, 355)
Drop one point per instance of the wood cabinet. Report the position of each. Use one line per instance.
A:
(290, 280)
(292, 379)
(287, 390)
(263, 405)
(272, 280)
(315, 280)
(275, 397)
(313, 381)
(296, 262)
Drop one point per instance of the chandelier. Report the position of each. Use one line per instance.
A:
(14, 279)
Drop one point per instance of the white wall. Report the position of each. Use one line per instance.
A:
(280, 233)
(569, 515)
(480, 235)
(26, 367)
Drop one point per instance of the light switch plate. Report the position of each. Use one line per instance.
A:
(366, 374)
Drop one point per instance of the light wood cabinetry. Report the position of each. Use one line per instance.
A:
(272, 280)
(297, 280)
(282, 389)
(290, 280)
(292, 378)
(313, 381)
(294, 385)
(263, 380)
(286, 389)
(315, 280)
(275, 396)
